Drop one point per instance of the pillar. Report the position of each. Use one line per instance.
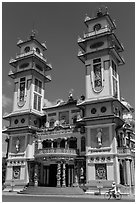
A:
(59, 175)
(64, 176)
(71, 175)
(36, 175)
(47, 175)
(51, 143)
(124, 171)
(128, 173)
(117, 171)
(69, 183)
(132, 173)
(66, 144)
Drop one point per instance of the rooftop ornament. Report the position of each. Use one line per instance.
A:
(20, 41)
(127, 105)
(44, 45)
(87, 18)
(70, 98)
(99, 12)
(80, 39)
(33, 34)
(12, 60)
(80, 53)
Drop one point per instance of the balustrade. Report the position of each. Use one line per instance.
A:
(56, 151)
(92, 33)
(30, 53)
(124, 150)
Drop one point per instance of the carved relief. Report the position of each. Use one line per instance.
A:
(101, 171)
(16, 172)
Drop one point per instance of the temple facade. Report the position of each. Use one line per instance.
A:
(88, 142)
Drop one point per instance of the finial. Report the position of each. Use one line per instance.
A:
(87, 17)
(99, 12)
(33, 33)
(106, 9)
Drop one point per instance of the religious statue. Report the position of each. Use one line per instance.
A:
(47, 124)
(99, 137)
(17, 145)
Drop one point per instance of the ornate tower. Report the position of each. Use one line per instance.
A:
(101, 57)
(102, 106)
(29, 74)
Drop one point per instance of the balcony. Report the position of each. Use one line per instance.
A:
(31, 52)
(125, 151)
(56, 152)
(93, 33)
(27, 54)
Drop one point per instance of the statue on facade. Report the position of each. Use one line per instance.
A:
(99, 137)
(17, 145)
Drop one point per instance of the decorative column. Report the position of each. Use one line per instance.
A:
(36, 175)
(75, 174)
(39, 144)
(66, 144)
(51, 143)
(69, 184)
(59, 175)
(64, 176)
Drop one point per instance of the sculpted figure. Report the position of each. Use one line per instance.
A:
(99, 137)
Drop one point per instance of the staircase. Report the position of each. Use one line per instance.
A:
(52, 191)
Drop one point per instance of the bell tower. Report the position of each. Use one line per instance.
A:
(29, 74)
(103, 110)
(100, 54)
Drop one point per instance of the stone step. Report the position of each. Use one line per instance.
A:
(53, 191)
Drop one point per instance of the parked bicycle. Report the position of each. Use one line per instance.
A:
(110, 194)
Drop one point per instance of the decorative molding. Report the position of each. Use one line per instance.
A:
(21, 103)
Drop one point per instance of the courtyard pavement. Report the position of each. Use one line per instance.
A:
(88, 196)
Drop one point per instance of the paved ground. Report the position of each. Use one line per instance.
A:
(14, 197)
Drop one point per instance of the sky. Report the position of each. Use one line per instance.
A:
(60, 24)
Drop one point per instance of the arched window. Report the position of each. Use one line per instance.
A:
(27, 49)
(62, 143)
(74, 119)
(73, 142)
(38, 50)
(83, 143)
(44, 144)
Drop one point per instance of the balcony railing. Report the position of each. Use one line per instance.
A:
(122, 150)
(92, 33)
(31, 52)
(56, 151)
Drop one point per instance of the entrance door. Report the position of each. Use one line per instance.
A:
(52, 175)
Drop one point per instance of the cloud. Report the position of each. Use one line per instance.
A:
(9, 83)
(48, 103)
(6, 101)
